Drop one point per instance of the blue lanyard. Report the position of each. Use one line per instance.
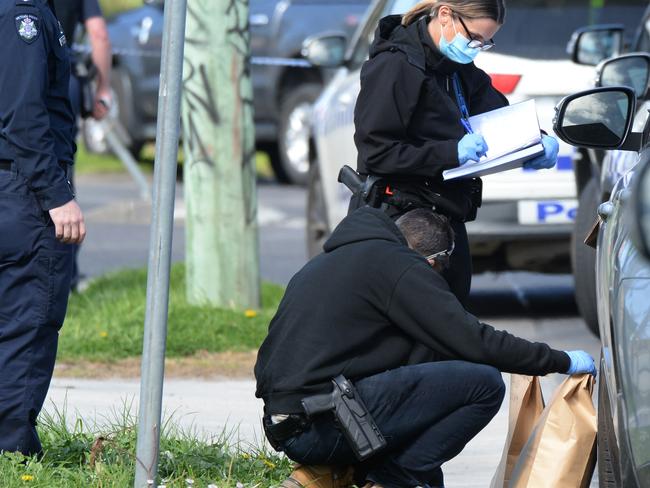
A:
(460, 99)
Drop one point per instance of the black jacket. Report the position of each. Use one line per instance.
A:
(368, 304)
(407, 119)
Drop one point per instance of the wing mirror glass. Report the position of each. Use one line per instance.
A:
(326, 50)
(597, 118)
(631, 70)
(641, 213)
(590, 45)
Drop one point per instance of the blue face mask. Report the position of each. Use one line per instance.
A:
(457, 50)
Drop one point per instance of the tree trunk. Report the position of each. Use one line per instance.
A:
(219, 171)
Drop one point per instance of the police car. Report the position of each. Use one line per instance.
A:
(527, 216)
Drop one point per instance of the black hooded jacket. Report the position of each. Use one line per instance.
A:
(369, 304)
(407, 119)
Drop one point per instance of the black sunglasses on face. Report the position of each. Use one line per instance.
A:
(476, 43)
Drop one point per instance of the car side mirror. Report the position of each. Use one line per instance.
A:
(599, 118)
(326, 50)
(641, 210)
(631, 70)
(590, 45)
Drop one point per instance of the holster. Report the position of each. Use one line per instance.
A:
(352, 417)
(366, 191)
(85, 74)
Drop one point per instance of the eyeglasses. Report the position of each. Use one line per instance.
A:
(446, 253)
(476, 43)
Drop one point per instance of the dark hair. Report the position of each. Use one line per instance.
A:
(469, 9)
(426, 231)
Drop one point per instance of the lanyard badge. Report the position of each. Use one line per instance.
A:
(460, 99)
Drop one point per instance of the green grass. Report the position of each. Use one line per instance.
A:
(112, 7)
(105, 322)
(73, 458)
(92, 163)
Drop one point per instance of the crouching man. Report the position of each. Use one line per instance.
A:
(375, 309)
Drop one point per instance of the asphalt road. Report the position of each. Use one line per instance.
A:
(118, 235)
(533, 306)
(118, 227)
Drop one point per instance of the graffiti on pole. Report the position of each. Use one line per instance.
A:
(217, 91)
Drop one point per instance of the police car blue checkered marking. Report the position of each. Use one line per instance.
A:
(564, 163)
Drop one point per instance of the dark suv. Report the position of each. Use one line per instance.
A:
(284, 84)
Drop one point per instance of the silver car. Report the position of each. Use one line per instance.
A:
(604, 118)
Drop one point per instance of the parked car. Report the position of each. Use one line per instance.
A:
(597, 171)
(284, 84)
(604, 119)
(527, 216)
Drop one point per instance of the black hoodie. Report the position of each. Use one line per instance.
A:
(369, 304)
(406, 117)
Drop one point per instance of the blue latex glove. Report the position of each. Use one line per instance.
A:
(471, 146)
(549, 158)
(581, 362)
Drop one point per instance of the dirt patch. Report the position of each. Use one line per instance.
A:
(201, 365)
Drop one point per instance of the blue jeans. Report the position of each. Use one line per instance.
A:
(426, 412)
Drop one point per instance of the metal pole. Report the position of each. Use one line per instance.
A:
(155, 326)
(117, 147)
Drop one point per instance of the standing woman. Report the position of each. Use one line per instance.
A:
(418, 89)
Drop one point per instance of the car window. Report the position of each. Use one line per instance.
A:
(540, 29)
(537, 29)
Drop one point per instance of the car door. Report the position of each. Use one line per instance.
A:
(624, 307)
(630, 327)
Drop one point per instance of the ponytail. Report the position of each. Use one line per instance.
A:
(422, 8)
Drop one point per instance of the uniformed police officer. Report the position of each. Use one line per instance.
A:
(39, 217)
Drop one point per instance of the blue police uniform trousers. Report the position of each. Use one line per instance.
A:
(35, 272)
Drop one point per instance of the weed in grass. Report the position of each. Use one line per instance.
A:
(80, 456)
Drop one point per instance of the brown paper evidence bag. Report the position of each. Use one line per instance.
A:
(552, 447)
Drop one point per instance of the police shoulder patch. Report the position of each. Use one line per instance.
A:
(28, 27)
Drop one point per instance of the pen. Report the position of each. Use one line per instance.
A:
(468, 127)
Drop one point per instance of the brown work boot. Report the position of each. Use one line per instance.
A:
(319, 477)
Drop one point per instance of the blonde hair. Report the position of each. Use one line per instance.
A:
(469, 9)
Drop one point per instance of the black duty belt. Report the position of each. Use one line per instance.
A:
(290, 427)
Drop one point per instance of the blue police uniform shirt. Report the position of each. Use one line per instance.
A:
(36, 120)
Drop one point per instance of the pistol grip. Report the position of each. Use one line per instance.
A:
(316, 404)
